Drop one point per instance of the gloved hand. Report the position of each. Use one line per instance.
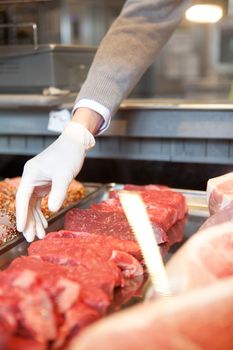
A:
(50, 172)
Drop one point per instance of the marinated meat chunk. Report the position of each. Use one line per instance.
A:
(8, 229)
(7, 196)
(8, 189)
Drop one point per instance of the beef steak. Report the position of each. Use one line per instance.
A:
(105, 223)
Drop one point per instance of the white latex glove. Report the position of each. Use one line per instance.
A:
(50, 172)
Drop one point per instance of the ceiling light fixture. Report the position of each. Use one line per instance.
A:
(204, 13)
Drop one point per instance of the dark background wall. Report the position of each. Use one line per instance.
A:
(179, 175)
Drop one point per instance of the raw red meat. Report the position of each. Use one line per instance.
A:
(220, 192)
(201, 319)
(66, 285)
(22, 343)
(175, 235)
(68, 296)
(132, 289)
(163, 215)
(33, 310)
(129, 247)
(158, 195)
(169, 199)
(8, 312)
(105, 223)
(73, 251)
(78, 317)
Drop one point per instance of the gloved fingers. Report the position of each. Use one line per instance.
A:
(39, 228)
(23, 197)
(29, 230)
(40, 214)
(58, 193)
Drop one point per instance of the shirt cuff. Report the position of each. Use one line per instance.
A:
(97, 107)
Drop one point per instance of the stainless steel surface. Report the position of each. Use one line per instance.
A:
(169, 103)
(98, 192)
(34, 100)
(18, 50)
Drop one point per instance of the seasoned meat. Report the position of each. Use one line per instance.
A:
(7, 226)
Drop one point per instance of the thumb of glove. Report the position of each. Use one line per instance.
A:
(58, 193)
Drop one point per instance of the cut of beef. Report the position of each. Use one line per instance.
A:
(20, 343)
(161, 214)
(176, 232)
(133, 288)
(8, 318)
(73, 290)
(159, 197)
(78, 317)
(66, 285)
(53, 278)
(129, 247)
(74, 251)
(169, 199)
(32, 305)
(105, 223)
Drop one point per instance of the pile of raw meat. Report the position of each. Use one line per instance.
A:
(8, 188)
(78, 275)
(199, 315)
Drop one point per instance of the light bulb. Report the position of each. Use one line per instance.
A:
(204, 13)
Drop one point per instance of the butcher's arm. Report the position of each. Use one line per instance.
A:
(124, 54)
(127, 50)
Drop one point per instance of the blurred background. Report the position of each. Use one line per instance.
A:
(195, 65)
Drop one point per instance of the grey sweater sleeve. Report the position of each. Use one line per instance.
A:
(129, 48)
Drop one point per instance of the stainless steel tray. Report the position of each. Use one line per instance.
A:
(18, 246)
(198, 211)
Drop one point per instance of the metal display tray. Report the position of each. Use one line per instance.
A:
(28, 69)
(196, 200)
(18, 246)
